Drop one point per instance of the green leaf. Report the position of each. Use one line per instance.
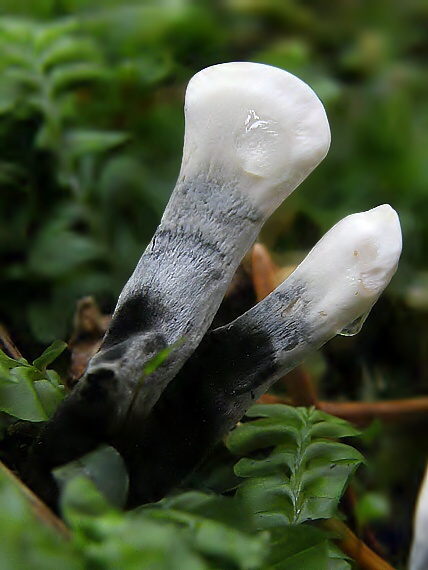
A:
(75, 74)
(82, 142)
(27, 78)
(151, 366)
(9, 362)
(230, 546)
(30, 392)
(218, 527)
(7, 99)
(105, 468)
(334, 430)
(305, 547)
(14, 53)
(50, 354)
(54, 378)
(372, 506)
(258, 435)
(159, 358)
(24, 541)
(331, 452)
(110, 539)
(145, 69)
(271, 499)
(301, 479)
(81, 500)
(277, 463)
(57, 251)
(17, 30)
(46, 35)
(49, 395)
(286, 414)
(19, 398)
(67, 49)
(213, 507)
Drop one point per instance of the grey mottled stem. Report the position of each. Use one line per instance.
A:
(337, 284)
(176, 287)
(253, 133)
(173, 293)
(232, 367)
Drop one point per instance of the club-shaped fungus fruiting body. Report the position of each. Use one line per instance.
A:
(253, 133)
(350, 267)
(255, 124)
(335, 286)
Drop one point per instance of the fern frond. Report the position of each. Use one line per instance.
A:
(294, 471)
(305, 474)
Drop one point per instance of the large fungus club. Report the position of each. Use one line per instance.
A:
(253, 134)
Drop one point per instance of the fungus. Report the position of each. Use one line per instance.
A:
(419, 550)
(253, 133)
(235, 364)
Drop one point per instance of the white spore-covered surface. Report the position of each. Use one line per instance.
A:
(351, 265)
(255, 124)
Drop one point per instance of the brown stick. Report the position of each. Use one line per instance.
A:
(300, 388)
(393, 411)
(363, 413)
(7, 345)
(264, 271)
(271, 399)
(42, 512)
(351, 545)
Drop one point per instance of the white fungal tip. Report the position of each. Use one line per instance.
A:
(377, 236)
(256, 125)
(419, 551)
(350, 267)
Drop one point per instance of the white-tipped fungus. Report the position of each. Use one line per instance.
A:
(253, 133)
(419, 551)
(331, 291)
(350, 266)
(338, 282)
(254, 124)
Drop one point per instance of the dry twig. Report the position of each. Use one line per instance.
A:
(363, 413)
(7, 345)
(355, 548)
(42, 512)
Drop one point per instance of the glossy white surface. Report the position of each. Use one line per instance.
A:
(347, 270)
(255, 124)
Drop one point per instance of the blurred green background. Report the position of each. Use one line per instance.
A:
(91, 129)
